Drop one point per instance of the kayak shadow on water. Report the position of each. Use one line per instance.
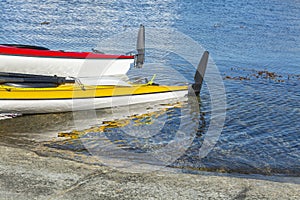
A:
(138, 129)
(34, 128)
(121, 125)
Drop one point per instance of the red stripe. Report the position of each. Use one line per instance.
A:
(6, 50)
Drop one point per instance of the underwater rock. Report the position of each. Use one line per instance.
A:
(45, 23)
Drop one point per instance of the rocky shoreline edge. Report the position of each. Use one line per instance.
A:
(27, 175)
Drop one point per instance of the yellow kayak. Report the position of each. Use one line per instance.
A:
(75, 97)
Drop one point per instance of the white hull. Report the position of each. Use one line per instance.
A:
(64, 66)
(67, 105)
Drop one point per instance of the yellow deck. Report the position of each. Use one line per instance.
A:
(69, 91)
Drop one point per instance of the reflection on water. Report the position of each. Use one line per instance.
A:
(150, 130)
(4, 116)
(148, 118)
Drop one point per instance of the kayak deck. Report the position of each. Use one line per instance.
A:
(75, 91)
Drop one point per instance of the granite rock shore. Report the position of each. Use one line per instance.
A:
(26, 175)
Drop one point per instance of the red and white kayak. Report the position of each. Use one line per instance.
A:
(27, 59)
(40, 60)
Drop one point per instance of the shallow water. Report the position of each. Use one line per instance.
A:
(261, 134)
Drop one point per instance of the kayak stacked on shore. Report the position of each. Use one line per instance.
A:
(29, 93)
(14, 58)
(30, 59)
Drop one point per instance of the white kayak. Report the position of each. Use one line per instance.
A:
(19, 58)
(48, 62)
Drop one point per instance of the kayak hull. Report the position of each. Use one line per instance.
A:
(73, 67)
(69, 105)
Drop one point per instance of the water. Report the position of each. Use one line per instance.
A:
(261, 134)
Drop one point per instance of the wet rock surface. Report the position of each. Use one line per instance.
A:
(27, 175)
